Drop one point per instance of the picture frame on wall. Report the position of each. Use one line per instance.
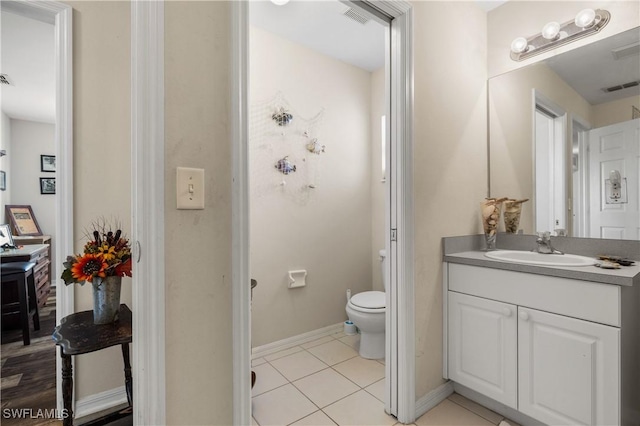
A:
(48, 163)
(3, 181)
(22, 220)
(47, 186)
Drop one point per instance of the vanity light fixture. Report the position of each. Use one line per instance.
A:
(554, 34)
(279, 2)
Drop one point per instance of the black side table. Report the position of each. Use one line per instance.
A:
(77, 335)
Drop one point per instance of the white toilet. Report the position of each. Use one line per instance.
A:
(367, 311)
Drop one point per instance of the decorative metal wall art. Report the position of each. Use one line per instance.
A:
(313, 145)
(282, 117)
(285, 166)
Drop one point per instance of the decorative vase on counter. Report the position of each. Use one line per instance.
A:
(106, 299)
(512, 213)
(490, 209)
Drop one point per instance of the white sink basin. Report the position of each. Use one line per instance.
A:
(534, 258)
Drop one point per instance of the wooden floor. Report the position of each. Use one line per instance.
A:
(29, 372)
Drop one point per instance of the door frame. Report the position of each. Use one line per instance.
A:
(60, 16)
(147, 203)
(400, 347)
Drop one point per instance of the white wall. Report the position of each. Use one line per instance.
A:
(325, 230)
(614, 112)
(102, 154)
(378, 188)
(450, 156)
(29, 140)
(5, 163)
(198, 242)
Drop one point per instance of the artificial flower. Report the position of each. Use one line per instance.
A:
(106, 254)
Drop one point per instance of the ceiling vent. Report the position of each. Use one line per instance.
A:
(621, 86)
(626, 51)
(4, 79)
(354, 15)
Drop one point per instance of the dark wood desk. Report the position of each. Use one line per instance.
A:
(38, 254)
(77, 335)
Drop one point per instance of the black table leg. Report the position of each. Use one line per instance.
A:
(23, 298)
(127, 373)
(67, 389)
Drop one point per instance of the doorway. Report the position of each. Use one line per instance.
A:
(58, 16)
(318, 85)
(398, 231)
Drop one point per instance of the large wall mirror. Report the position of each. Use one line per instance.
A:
(565, 133)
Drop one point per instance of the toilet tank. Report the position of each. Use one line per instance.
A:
(383, 267)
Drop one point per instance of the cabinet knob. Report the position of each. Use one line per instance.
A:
(506, 312)
(524, 316)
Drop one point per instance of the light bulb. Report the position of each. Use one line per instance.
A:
(551, 30)
(280, 2)
(519, 45)
(585, 18)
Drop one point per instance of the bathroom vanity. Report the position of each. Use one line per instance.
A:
(560, 345)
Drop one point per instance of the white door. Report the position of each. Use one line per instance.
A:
(569, 369)
(550, 186)
(615, 147)
(483, 345)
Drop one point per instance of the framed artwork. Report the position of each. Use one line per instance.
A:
(635, 113)
(47, 185)
(22, 220)
(6, 239)
(3, 181)
(47, 163)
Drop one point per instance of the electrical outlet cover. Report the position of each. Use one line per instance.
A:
(189, 188)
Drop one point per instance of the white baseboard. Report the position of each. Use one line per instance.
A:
(100, 401)
(433, 398)
(290, 342)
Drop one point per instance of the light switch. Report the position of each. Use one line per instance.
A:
(190, 188)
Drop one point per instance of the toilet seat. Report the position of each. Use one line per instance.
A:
(369, 301)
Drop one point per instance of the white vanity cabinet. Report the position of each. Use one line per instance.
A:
(483, 346)
(551, 348)
(568, 369)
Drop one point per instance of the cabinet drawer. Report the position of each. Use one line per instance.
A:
(579, 299)
(42, 294)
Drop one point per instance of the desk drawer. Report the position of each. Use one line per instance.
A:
(42, 293)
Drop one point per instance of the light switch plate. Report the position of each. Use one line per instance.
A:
(190, 188)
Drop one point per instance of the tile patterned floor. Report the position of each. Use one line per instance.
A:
(325, 382)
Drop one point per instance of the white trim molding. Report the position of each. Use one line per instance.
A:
(241, 281)
(400, 371)
(147, 171)
(433, 398)
(60, 15)
(290, 342)
(99, 402)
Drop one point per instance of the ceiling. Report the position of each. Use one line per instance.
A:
(27, 57)
(321, 26)
(593, 67)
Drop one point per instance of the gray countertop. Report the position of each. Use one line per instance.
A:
(467, 250)
(626, 276)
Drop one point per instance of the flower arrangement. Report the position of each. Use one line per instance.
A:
(106, 254)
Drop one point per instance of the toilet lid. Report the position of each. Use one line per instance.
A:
(369, 300)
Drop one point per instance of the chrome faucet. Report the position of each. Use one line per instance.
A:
(544, 244)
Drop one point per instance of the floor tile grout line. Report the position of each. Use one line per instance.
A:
(479, 415)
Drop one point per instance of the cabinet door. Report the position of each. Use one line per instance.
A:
(569, 369)
(482, 346)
